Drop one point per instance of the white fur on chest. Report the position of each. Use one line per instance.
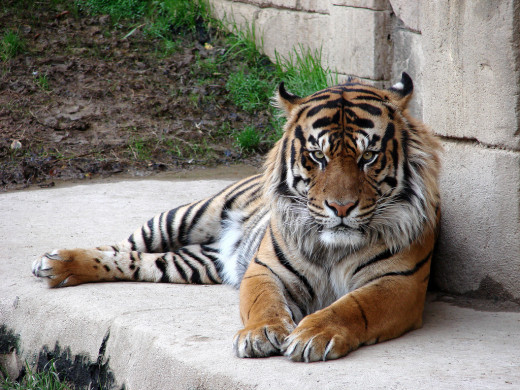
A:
(239, 242)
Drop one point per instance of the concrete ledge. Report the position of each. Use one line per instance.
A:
(147, 336)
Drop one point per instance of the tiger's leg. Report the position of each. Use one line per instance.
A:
(266, 316)
(190, 264)
(388, 305)
(268, 301)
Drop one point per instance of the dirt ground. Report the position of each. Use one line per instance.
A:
(89, 98)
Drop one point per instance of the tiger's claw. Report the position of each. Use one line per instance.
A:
(42, 267)
(51, 266)
(261, 341)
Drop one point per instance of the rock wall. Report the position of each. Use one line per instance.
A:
(464, 58)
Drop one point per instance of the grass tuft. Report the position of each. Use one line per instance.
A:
(254, 83)
(248, 139)
(48, 379)
(243, 44)
(42, 81)
(140, 148)
(168, 18)
(117, 9)
(303, 71)
(186, 15)
(250, 90)
(11, 44)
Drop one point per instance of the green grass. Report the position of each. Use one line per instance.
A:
(11, 44)
(140, 148)
(254, 83)
(117, 9)
(42, 82)
(248, 139)
(303, 71)
(48, 379)
(243, 44)
(189, 152)
(184, 16)
(250, 89)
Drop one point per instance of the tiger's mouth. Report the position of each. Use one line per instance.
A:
(341, 227)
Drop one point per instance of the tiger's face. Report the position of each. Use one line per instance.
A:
(353, 164)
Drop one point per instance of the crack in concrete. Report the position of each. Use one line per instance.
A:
(271, 5)
(476, 142)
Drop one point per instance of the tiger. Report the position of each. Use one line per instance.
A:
(330, 247)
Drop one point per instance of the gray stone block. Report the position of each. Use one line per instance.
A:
(292, 29)
(234, 13)
(275, 28)
(408, 57)
(321, 6)
(471, 73)
(293, 4)
(376, 5)
(479, 247)
(409, 12)
(357, 42)
(353, 40)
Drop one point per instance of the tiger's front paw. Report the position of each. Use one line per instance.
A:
(261, 340)
(62, 268)
(317, 338)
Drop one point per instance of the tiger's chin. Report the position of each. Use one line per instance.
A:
(343, 237)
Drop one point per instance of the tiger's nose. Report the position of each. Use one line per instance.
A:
(341, 210)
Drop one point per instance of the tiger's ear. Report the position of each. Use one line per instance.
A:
(402, 91)
(286, 100)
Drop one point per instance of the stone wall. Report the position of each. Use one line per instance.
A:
(464, 58)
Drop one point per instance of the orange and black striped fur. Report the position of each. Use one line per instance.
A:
(330, 246)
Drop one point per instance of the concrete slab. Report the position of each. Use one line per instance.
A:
(147, 336)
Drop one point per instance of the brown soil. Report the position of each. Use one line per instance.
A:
(82, 101)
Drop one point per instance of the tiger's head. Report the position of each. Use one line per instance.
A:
(353, 167)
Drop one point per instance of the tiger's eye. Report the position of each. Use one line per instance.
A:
(319, 154)
(367, 156)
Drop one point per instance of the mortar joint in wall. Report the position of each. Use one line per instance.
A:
(475, 142)
(271, 5)
(359, 7)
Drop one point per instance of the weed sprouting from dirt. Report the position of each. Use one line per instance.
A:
(249, 139)
(11, 44)
(140, 148)
(303, 71)
(185, 15)
(118, 9)
(48, 379)
(250, 90)
(243, 43)
(42, 81)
